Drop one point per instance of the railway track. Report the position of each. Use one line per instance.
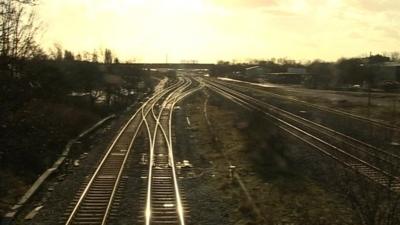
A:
(163, 201)
(375, 123)
(376, 164)
(98, 200)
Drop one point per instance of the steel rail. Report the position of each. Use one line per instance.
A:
(321, 108)
(151, 163)
(69, 221)
(151, 141)
(144, 114)
(151, 157)
(125, 159)
(171, 156)
(99, 167)
(366, 148)
(167, 104)
(237, 99)
(392, 160)
(172, 100)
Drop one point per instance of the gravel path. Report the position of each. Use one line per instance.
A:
(202, 184)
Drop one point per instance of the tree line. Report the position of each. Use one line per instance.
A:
(320, 74)
(105, 56)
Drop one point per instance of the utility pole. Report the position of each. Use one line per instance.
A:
(365, 70)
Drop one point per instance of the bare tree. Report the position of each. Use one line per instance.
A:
(86, 56)
(108, 56)
(95, 57)
(17, 32)
(69, 55)
(78, 57)
(56, 53)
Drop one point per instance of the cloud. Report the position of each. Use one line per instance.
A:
(278, 12)
(245, 3)
(389, 32)
(376, 5)
(209, 30)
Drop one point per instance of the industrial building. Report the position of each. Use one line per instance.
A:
(388, 71)
(293, 75)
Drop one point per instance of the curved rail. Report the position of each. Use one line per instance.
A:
(167, 104)
(107, 158)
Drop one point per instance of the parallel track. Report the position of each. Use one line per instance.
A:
(376, 123)
(374, 163)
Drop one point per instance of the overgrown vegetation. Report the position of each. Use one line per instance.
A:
(278, 182)
(303, 189)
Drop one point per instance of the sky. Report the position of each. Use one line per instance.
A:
(232, 30)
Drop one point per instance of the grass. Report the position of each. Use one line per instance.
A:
(279, 184)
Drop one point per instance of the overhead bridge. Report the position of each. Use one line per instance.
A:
(174, 65)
